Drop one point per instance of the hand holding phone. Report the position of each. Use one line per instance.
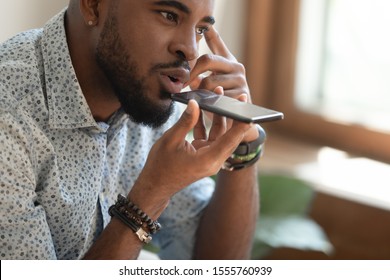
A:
(228, 107)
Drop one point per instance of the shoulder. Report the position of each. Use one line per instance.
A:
(21, 49)
(20, 65)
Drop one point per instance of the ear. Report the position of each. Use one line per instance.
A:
(90, 11)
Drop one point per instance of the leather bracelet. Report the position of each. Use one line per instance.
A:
(133, 217)
(143, 236)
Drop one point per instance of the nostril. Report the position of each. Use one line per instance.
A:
(181, 55)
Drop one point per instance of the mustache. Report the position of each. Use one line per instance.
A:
(176, 64)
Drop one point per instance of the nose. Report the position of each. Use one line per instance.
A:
(185, 45)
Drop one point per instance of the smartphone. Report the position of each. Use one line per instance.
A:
(228, 107)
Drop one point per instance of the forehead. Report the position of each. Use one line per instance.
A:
(189, 3)
(193, 4)
(192, 7)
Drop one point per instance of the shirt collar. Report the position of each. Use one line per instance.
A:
(67, 105)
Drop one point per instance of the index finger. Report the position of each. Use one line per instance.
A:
(216, 44)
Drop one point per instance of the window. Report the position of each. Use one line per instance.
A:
(326, 65)
(343, 67)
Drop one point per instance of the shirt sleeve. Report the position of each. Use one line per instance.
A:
(181, 219)
(24, 232)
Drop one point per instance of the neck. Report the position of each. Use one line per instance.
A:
(97, 90)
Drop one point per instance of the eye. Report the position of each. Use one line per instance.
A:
(201, 30)
(170, 16)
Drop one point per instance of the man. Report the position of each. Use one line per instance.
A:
(86, 115)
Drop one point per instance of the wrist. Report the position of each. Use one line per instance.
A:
(247, 153)
(251, 135)
(148, 200)
(134, 218)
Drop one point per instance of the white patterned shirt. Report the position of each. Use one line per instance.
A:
(60, 170)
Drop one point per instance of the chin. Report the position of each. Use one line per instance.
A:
(152, 114)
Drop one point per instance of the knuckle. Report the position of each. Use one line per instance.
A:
(206, 58)
(241, 68)
(241, 79)
(206, 83)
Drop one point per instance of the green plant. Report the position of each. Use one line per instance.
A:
(283, 221)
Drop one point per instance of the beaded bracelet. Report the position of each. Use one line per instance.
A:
(133, 212)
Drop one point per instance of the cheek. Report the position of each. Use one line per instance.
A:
(145, 49)
(141, 54)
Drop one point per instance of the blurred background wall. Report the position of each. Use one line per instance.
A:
(19, 15)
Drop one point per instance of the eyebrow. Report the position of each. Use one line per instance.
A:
(180, 6)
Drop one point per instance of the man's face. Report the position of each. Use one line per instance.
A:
(146, 48)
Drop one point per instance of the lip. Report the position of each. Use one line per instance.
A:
(180, 76)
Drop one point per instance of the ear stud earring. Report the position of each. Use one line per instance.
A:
(90, 23)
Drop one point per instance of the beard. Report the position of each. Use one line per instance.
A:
(129, 87)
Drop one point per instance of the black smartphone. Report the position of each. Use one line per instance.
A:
(228, 107)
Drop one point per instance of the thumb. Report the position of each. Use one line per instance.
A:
(187, 121)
